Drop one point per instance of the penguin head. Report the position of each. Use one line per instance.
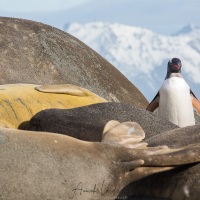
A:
(174, 65)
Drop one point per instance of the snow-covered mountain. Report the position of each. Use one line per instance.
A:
(142, 55)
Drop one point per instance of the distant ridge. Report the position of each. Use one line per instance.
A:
(142, 55)
(189, 29)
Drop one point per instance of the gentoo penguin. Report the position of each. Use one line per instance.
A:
(175, 100)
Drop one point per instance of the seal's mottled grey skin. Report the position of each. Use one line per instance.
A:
(182, 183)
(32, 52)
(41, 165)
(87, 122)
(158, 131)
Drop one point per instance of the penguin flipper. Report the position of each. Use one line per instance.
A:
(192, 93)
(195, 103)
(154, 103)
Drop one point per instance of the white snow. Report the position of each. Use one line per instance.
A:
(142, 55)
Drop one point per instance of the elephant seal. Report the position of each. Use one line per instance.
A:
(87, 122)
(19, 102)
(41, 165)
(91, 119)
(36, 53)
(181, 183)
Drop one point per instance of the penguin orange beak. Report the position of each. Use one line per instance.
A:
(176, 67)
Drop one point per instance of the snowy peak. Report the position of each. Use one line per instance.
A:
(142, 55)
(116, 42)
(190, 28)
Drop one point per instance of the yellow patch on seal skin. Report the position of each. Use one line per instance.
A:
(19, 102)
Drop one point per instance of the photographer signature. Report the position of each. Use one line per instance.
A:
(80, 190)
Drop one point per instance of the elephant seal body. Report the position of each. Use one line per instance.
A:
(169, 185)
(87, 122)
(49, 166)
(40, 165)
(36, 53)
(179, 184)
(19, 102)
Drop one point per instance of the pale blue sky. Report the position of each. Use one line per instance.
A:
(160, 16)
(37, 5)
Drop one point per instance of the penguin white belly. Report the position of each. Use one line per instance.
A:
(175, 102)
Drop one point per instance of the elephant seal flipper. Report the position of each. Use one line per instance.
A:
(173, 157)
(64, 89)
(131, 134)
(128, 134)
(172, 184)
(111, 124)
